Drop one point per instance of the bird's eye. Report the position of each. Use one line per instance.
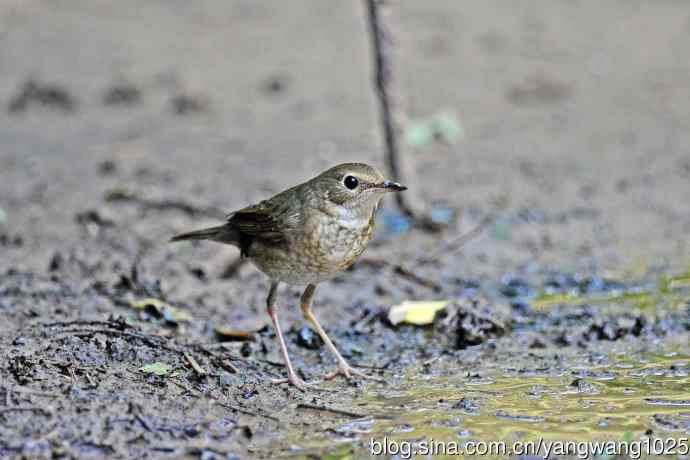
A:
(351, 182)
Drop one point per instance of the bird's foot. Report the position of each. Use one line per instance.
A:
(292, 379)
(349, 373)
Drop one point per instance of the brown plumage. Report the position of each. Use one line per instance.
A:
(306, 235)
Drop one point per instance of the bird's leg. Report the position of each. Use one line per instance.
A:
(343, 367)
(292, 377)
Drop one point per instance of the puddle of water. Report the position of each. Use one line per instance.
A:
(391, 222)
(668, 292)
(619, 399)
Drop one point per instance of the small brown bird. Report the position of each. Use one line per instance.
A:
(306, 235)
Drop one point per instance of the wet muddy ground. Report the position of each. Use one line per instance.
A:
(568, 313)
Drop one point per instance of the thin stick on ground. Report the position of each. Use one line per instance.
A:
(195, 365)
(457, 242)
(446, 248)
(382, 30)
(122, 195)
(401, 271)
(150, 340)
(121, 325)
(40, 410)
(246, 411)
(209, 349)
(329, 409)
(227, 365)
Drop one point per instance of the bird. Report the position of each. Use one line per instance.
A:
(304, 236)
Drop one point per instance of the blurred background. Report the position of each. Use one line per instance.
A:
(569, 111)
(562, 107)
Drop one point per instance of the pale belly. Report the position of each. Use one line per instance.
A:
(317, 255)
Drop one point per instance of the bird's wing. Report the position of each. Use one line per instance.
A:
(258, 220)
(269, 220)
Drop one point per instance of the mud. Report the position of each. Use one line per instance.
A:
(569, 313)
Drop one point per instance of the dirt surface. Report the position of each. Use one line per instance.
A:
(124, 123)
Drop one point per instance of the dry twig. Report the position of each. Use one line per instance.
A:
(382, 30)
(163, 205)
(195, 365)
(246, 411)
(457, 242)
(329, 409)
(150, 340)
(39, 410)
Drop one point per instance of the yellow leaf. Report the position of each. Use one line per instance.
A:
(419, 313)
(143, 303)
(162, 309)
(228, 334)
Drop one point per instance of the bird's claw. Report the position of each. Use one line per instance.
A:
(300, 384)
(292, 379)
(349, 372)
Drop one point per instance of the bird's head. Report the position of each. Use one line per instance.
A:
(355, 186)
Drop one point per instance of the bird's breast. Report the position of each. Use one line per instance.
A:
(334, 243)
(324, 246)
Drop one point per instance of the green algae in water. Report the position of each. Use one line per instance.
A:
(620, 399)
(617, 401)
(668, 292)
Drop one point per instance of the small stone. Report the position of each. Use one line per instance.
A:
(307, 338)
(246, 350)
(124, 94)
(275, 84)
(185, 104)
(56, 262)
(466, 405)
(107, 167)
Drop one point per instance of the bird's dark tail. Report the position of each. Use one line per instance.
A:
(212, 233)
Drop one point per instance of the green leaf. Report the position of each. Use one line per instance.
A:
(447, 125)
(157, 368)
(444, 125)
(3, 217)
(419, 133)
(500, 230)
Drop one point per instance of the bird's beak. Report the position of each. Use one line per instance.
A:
(391, 186)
